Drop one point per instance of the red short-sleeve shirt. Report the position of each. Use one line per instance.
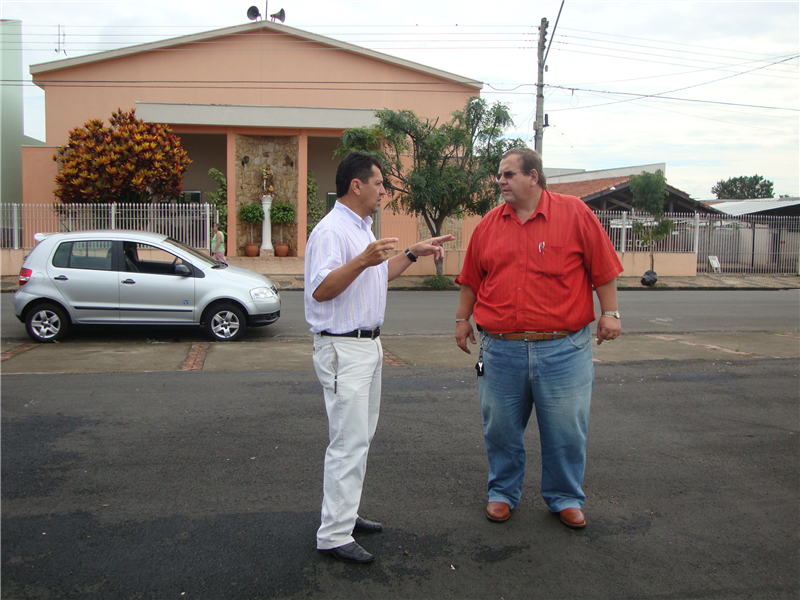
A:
(538, 276)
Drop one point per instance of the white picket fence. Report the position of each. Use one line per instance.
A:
(187, 223)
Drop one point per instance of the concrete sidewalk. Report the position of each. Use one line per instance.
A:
(294, 353)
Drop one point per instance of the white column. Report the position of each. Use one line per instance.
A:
(266, 225)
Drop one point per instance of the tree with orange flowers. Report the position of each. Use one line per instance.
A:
(129, 161)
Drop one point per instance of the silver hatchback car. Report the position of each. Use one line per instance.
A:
(116, 277)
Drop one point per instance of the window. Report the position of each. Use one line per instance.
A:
(143, 258)
(93, 255)
(190, 197)
(331, 202)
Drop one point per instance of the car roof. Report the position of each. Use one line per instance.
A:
(108, 234)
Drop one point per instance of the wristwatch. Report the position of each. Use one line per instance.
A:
(611, 313)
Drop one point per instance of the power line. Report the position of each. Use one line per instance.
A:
(653, 97)
(737, 124)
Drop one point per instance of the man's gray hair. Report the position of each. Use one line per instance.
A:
(531, 160)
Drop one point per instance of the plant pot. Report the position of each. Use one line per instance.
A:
(251, 249)
(281, 249)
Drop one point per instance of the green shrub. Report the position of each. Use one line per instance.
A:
(315, 211)
(281, 213)
(219, 197)
(438, 282)
(252, 214)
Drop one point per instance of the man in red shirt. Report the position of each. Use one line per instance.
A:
(527, 282)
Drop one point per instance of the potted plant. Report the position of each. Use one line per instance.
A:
(281, 213)
(252, 214)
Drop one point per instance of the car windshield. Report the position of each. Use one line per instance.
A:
(201, 258)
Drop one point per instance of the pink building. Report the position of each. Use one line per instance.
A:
(242, 98)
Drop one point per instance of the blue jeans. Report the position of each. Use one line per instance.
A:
(555, 377)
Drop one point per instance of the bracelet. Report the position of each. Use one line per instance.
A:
(459, 320)
(410, 256)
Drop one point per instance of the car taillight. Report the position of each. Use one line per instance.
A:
(24, 275)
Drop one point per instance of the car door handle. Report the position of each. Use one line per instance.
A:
(129, 281)
(61, 278)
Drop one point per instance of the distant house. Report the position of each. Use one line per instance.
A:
(778, 207)
(241, 98)
(609, 190)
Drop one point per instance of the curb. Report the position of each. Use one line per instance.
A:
(295, 282)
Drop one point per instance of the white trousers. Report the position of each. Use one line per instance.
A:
(349, 370)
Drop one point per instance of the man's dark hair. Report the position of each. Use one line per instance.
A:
(356, 165)
(531, 161)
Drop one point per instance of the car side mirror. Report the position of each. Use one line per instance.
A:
(182, 270)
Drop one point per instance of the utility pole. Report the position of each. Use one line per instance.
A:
(540, 124)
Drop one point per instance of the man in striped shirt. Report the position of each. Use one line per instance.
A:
(346, 275)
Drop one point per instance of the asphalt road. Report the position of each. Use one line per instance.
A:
(206, 485)
(432, 313)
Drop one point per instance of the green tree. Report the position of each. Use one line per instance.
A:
(452, 166)
(743, 188)
(130, 161)
(649, 192)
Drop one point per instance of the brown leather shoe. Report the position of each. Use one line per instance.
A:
(498, 511)
(573, 517)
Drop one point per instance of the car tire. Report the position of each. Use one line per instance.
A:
(47, 323)
(225, 323)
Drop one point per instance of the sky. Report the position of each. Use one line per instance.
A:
(708, 88)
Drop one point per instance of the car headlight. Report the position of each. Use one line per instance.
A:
(263, 293)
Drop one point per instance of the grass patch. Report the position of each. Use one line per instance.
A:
(438, 282)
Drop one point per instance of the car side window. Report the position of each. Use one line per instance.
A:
(94, 255)
(61, 257)
(144, 258)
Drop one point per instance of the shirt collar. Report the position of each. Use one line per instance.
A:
(365, 223)
(542, 208)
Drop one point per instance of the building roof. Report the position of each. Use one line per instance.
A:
(613, 193)
(584, 189)
(247, 28)
(737, 208)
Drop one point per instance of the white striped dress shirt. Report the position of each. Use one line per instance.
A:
(336, 240)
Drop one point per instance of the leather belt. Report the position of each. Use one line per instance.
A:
(529, 336)
(356, 333)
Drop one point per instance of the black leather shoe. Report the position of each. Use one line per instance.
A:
(351, 553)
(365, 526)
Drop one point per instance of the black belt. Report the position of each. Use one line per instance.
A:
(356, 333)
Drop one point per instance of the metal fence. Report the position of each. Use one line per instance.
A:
(725, 244)
(188, 223)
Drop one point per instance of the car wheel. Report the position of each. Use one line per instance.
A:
(47, 323)
(225, 323)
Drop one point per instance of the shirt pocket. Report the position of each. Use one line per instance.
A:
(551, 257)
